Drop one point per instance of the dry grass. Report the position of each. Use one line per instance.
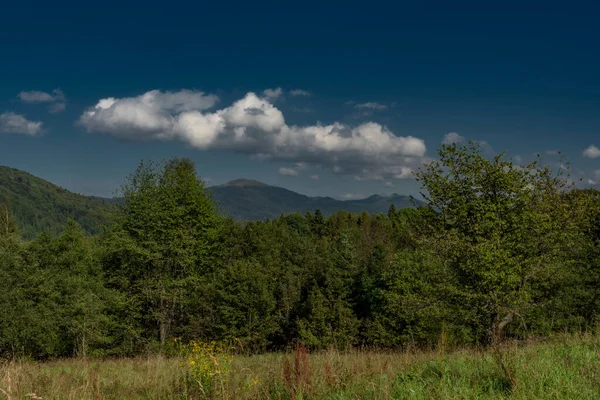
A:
(565, 368)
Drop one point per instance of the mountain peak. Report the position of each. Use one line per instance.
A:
(244, 183)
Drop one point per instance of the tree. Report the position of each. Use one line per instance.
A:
(392, 212)
(501, 229)
(8, 224)
(164, 240)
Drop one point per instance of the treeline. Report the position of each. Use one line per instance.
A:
(499, 250)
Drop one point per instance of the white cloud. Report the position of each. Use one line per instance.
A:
(299, 92)
(453, 137)
(35, 96)
(254, 126)
(388, 184)
(314, 177)
(18, 124)
(56, 98)
(591, 182)
(288, 171)
(295, 171)
(591, 152)
(56, 108)
(273, 94)
(353, 196)
(371, 105)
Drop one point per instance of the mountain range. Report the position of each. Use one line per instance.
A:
(248, 200)
(39, 205)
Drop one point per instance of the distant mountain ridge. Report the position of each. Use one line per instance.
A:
(248, 200)
(40, 205)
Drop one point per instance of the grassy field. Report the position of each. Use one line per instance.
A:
(562, 368)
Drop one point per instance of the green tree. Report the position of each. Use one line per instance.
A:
(54, 296)
(163, 243)
(502, 230)
(8, 223)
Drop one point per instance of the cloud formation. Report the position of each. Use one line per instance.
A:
(56, 99)
(253, 125)
(299, 92)
(18, 124)
(273, 94)
(353, 196)
(288, 171)
(453, 137)
(591, 152)
(371, 105)
(294, 171)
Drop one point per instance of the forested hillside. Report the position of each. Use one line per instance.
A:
(39, 205)
(498, 251)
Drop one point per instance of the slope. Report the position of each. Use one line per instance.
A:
(39, 205)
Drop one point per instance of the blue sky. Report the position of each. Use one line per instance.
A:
(368, 91)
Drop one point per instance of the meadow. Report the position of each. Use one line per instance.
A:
(564, 367)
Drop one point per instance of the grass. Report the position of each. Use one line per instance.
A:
(567, 367)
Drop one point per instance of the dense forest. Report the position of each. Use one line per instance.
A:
(498, 250)
(39, 206)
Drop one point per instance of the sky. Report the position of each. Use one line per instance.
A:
(338, 99)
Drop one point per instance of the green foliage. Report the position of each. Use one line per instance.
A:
(498, 250)
(39, 206)
(502, 230)
(163, 241)
(53, 296)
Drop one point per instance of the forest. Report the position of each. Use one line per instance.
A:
(499, 251)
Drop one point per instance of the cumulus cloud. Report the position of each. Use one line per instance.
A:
(56, 99)
(314, 177)
(591, 152)
(254, 126)
(299, 92)
(18, 124)
(388, 184)
(453, 137)
(273, 94)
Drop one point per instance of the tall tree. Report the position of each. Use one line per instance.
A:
(500, 228)
(163, 242)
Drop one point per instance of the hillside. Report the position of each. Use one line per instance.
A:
(248, 200)
(39, 205)
(42, 206)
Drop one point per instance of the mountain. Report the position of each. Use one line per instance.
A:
(249, 200)
(39, 205)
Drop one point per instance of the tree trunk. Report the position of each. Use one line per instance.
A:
(163, 332)
(498, 326)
